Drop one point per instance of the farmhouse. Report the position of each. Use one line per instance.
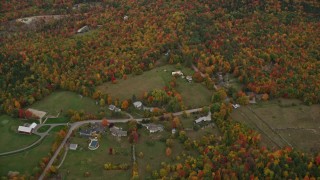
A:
(95, 128)
(203, 118)
(83, 29)
(36, 114)
(179, 73)
(114, 108)
(137, 104)
(118, 132)
(153, 127)
(28, 129)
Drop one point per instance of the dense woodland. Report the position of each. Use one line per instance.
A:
(272, 47)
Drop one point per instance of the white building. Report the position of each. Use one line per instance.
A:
(83, 29)
(154, 127)
(27, 129)
(137, 104)
(179, 73)
(204, 118)
(73, 146)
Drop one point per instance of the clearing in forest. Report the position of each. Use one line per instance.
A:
(193, 94)
(283, 122)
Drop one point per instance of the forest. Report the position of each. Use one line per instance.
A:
(271, 47)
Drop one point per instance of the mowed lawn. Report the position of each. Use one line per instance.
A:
(10, 138)
(27, 162)
(65, 100)
(84, 160)
(193, 94)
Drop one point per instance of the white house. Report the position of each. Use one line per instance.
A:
(83, 29)
(179, 73)
(73, 146)
(27, 129)
(153, 127)
(125, 17)
(137, 104)
(204, 118)
(235, 106)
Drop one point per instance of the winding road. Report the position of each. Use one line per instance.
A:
(76, 125)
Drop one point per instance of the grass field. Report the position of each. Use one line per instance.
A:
(10, 138)
(154, 151)
(64, 100)
(284, 122)
(84, 160)
(26, 161)
(193, 94)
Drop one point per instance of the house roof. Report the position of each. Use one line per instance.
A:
(33, 125)
(73, 146)
(137, 104)
(24, 129)
(83, 29)
(117, 131)
(204, 118)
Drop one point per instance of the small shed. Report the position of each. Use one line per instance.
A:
(73, 146)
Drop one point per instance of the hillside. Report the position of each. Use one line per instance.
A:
(230, 48)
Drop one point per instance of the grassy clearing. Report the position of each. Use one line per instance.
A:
(287, 118)
(154, 151)
(10, 138)
(27, 161)
(57, 120)
(64, 100)
(193, 94)
(84, 160)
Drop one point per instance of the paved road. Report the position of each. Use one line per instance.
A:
(80, 123)
(42, 136)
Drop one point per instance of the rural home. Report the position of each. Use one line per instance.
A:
(118, 132)
(153, 127)
(203, 118)
(179, 73)
(28, 129)
(114, 108)
(83, 29)
(137, 104)
(36, 114)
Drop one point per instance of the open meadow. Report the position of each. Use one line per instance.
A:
(27, 162)
(284, 122)
(193, 94)
(10, 138)
(65, 100)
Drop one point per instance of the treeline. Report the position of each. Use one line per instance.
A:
(272, 48)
